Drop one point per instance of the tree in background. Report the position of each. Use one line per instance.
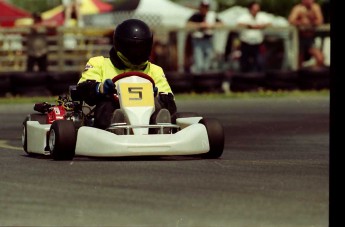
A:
(35, 5)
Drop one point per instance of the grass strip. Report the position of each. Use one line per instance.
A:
(189, 96)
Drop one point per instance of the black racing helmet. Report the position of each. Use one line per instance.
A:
(133, 38)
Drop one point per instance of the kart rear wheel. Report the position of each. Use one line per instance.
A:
(62, 140)
(215, 134)
(41, 118)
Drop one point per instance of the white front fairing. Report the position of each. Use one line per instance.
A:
(186, 121)
(139, 116)
(100, 143)
(192, 139)
(37, 137)
(136, 101)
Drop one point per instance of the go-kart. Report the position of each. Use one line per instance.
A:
(66, 129)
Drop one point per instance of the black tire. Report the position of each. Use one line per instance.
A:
(317, 78)
(25, 137)
(208, 82)
(29, 84)
(58, 83)
(62, 140)
(180, 82)
(5, 84)
(281, 80)
(215, 134)
(252, 81)
(41, 118)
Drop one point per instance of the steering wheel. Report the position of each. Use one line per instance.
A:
(134, 73)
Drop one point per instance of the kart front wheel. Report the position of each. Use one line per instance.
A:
(62, 140)
(215, 134)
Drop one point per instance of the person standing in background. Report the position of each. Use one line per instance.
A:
(37, 46)
(72, 11)
(203, 22)
(252, 37)
(306, 16)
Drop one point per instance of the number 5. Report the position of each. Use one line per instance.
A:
(137, 91)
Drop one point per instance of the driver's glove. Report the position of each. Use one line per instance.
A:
(107, 87)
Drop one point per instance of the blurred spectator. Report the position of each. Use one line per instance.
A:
(72, 11)
(203, 22)
(37, 46)
(252, 37)
(12, 46)
(232, 53)
(306, 16)
(73, 19)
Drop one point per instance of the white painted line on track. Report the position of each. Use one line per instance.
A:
(4, 144)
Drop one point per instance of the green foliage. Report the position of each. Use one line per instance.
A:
(192, 96)
(35, 5)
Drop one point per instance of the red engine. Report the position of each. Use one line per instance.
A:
(55, 113)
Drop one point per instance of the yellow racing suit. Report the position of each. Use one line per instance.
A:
(100, 68)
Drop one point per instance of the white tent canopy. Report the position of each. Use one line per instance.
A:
(170, 14)
(230, 16)
(157, 13)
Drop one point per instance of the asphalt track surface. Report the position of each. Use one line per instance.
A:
(274, 172)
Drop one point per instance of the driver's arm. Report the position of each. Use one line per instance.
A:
(165, 95)
(87, 85)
